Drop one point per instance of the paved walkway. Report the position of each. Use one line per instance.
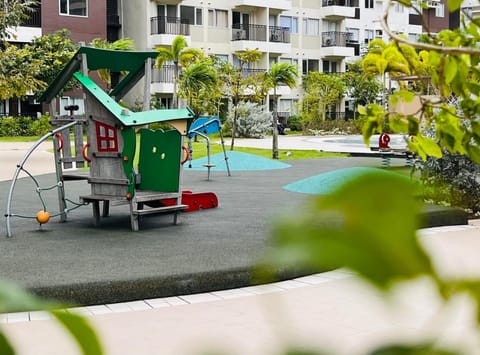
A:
(333, 311)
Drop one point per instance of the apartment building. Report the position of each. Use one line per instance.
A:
(85, 19)
(314, 35)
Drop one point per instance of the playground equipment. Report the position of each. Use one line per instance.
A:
(203, 126)
(111, 131)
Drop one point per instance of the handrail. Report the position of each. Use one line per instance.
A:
(20, 167)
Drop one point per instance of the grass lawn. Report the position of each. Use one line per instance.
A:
(200, 150)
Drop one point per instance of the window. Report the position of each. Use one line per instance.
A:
(218, 18)
(413, 37)
(369, 4)
(222, 57)
(73, 7)
(398, 7)
(289, 61)
(191, 14)
(369, 35)
(106, 137)
(309, 65)
(72, 101)
(290, 22)
(440, 10)
(353, 35)
(330, 66)
(311, 26)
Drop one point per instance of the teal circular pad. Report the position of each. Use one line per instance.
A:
(237, 161)
(326, 183)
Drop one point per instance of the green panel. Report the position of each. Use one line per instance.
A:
(126, 117)
(159, 164)
(131, 61)
(128, 155)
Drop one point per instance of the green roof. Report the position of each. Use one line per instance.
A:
(132, 62)
(125, 116)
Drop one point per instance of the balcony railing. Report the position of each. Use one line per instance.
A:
(279, 34)
(241, 32)
(247, 72)
(339, 116)
(166, 74)
(346, 3)
(169, 25)
(34, 19)
(335, 39)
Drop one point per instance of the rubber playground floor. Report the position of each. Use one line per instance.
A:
(212, 249)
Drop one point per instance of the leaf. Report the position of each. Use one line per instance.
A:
(420, 349)
(368, 225)
(454, 5)
(450, 69)
(429, 146)
(5, 346)
(81, 331)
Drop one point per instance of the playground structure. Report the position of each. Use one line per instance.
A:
(204, 126)
(111, 143)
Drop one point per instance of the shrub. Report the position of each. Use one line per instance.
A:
(453, 180)
(40, 126)
(14, 126)
(295, 123)
(253, 120)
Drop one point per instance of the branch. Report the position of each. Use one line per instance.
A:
(426, 46)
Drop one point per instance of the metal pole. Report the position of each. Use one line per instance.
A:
(20, 167)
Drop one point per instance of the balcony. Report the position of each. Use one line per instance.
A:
(334, 45)
(164, 29)
(247, 72)
(163, 79)
(339, 9)
(272, 39)
(283, 5)
(34, 19)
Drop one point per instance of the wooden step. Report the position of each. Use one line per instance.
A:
(163, 209)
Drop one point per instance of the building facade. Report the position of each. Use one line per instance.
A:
(314, 35)
(85, 19)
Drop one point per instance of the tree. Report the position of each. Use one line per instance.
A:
(361, 87)
(279, 74)
(238, 85)
(321, 90)
(12, 13)
(180, 55)
(123, 44)
(29, 69)
(198, 85)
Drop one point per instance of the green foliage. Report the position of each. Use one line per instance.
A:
(24, 126)
(336, 231)
(452, 179)
(199, 85)
(15, 126)
(14, 299)
(12, 13)
(41, 126)
(253, 120)
(32, 67)
(320, 91)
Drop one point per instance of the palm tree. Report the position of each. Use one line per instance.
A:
(198, 80)
(279, 74)
(180, 55)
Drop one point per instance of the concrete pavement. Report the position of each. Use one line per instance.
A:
(333, 311)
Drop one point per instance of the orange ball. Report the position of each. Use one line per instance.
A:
(43, 217)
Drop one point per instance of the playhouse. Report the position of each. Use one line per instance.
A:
(112, 135)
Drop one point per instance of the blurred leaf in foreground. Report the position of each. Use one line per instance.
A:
(368, 225)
